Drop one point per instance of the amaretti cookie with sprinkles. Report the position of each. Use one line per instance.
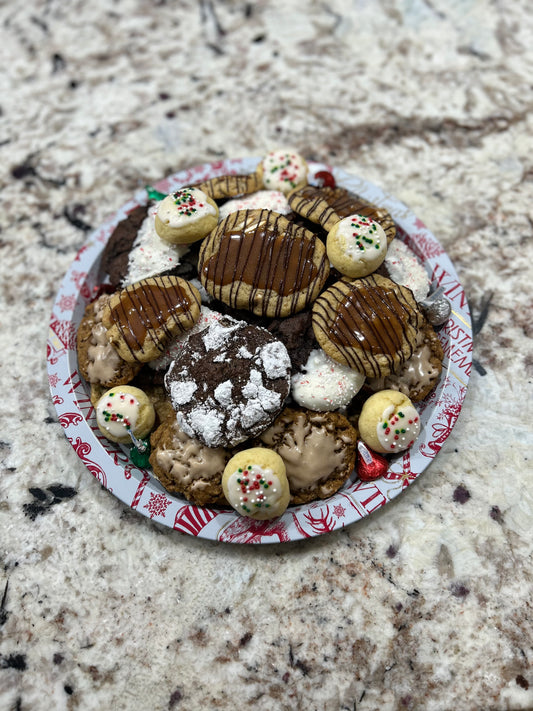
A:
(99, 363)
(369, 324)
(282, 170)
(259, 261)
(328, 205)
(185, 216)
(255, 483)
(123, 410)
(143, 317)
(356, 245)
(389, 422)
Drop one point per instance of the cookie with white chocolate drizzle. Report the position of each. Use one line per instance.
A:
(370, 324)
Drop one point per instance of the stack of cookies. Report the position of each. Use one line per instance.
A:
(270, 325)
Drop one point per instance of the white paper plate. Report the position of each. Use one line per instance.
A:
(110, 464)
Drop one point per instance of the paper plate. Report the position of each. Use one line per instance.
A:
(137, 488)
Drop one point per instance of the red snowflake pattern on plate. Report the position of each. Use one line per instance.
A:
(137, 488)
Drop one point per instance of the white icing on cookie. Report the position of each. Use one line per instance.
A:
(362, 239)
(253, 490)
(261, 200)
(183, 207)
(324, 384)
(398, 428)
(404, 268)
(283, 170)
(150, 254)
(117, 413)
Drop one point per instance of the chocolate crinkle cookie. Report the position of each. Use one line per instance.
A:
(228, 382)
(318, 448)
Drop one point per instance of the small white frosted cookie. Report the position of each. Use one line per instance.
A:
(389, 422)
(324, 384)
(255, 483)
(122, 410)
(186, 216)
(261, 200)
(283, 170)
(403, 267)
(356, 245)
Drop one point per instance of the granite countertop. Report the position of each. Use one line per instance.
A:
(426, 604)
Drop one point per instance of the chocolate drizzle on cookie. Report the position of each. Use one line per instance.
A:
(258, 260)
(152, 310)
(224, 187)
(370, 323)
(326, 206)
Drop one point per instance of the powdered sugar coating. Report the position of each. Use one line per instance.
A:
(242, 378)
(150, 254)
(263, 199)
(404, 268)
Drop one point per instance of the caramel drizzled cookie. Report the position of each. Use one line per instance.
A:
(260, 261)
(327, 205)
(417, 377)
(99, 363)
(370, 324)
(187, 467)
(142, 318)
(318, 448)
(228, 382)
(229, 186)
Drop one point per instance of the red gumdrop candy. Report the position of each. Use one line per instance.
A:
(325, 179)
(370, 465)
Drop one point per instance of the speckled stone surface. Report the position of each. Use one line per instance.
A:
(427, 604)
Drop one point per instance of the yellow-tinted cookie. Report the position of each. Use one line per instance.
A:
(255, 483)
(282, 170)
(185, 216)
(388, 422)
(122, 410)
(356, 245)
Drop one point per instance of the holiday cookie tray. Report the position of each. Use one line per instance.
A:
(138, 488)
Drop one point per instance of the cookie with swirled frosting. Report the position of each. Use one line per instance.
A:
(282, 170)
(259, 261)
(185, 216)
(318, 448)
(328, 205)
(369, 324)
(98, 362)
(389, 422)
(186, 466)
(417, 377)
(122, 410)
(143, 317)
(255, 484)
(356, 245)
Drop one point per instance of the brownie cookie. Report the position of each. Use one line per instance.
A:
(142, 318)
(318, 448)
(228, 382)
(328, 205)
(260, 261)
(417, 377)
(98, 362)
(119, 245)
(370, 324)
(187, 467)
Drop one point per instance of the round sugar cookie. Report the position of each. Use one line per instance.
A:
(255, 483)
(186, 216)
(389, 422)
(356, 245)
(122, 410)
(283, 170)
